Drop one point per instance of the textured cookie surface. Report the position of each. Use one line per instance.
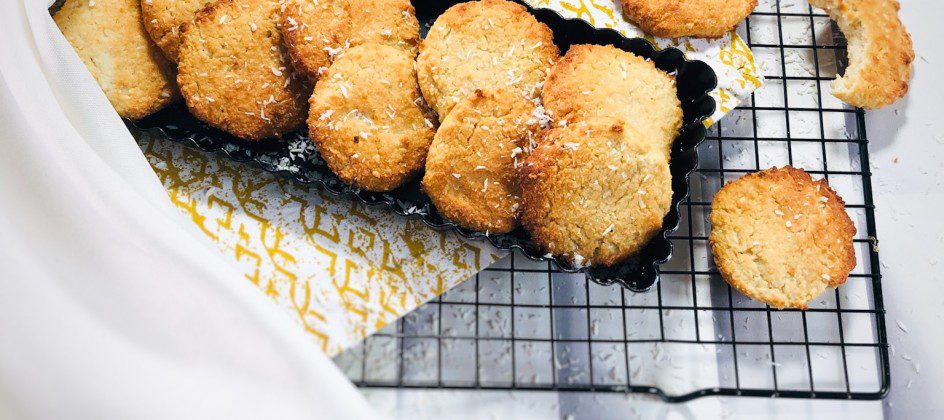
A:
(481, 45)
(780, 237)
(880, 52)
(594, 192)
(162, 19)
(235, 74)
(595, 80)
(316, 31)
(368, 119)
(110, 40)
(697, 18)
(471, 167)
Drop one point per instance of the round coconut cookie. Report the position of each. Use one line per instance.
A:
(695, 18)
(235, 74)
(134, 75)
(471, 167)
(162, 19)
(594, 192)
(605, 81)
(780, 237)
(317, 31)
(368, 120)
(482, 45)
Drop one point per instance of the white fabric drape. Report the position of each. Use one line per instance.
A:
(111, 305)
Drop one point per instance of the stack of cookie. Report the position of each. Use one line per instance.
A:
(589, 178)
(481, 68)
(598, 185)
(367, 118)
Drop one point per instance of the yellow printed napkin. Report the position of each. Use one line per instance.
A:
(344, 270)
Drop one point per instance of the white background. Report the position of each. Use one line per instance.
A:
(907, 160)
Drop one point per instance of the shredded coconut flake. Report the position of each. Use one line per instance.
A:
(609, 229)
(902, 327)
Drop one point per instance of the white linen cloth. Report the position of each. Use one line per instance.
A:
(111, 306)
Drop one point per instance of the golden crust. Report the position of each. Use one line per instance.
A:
(594, 192)
(110, 39)
(162, 19)
(680, 18)
(368, 120)
(389, 22)
(234, 72)
(780, 237)
(317, 31)
(309, 30)
(470, 171)
(595, 80)
(481, 45)
(880, 52)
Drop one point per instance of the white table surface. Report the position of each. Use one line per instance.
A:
(907, 158)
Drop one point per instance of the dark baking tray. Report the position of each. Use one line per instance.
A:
(293, 156)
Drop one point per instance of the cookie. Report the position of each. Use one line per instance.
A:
(110, 40)
(780, 237)
(389, 22)
(309, 29)
(695, 18)
(481, 45)
(594, 192)
(368, 120)
(317, 31)
(235, 74)
(880, 52)
(471, 167)
(604, 81)
(162, 19)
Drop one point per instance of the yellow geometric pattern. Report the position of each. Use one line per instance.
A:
(344, 270)
(729, 55)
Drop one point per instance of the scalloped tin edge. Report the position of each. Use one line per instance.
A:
(684, 158)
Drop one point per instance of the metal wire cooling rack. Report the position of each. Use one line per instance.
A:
(522, 325)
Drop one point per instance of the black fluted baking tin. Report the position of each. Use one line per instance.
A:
(285, 157)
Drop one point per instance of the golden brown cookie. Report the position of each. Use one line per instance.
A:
(316, 31)
(235, 74)
(696, 18)
(110, 40)
(880, 52)
(780, 237)
(471, 167)
(309, 29)
(162, 19)
(368, 119)
(596, 80)
(594, 192)
(483, 45)
(389, 22)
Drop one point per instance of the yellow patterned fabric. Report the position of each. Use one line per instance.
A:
(343, 270)
(729, 56)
